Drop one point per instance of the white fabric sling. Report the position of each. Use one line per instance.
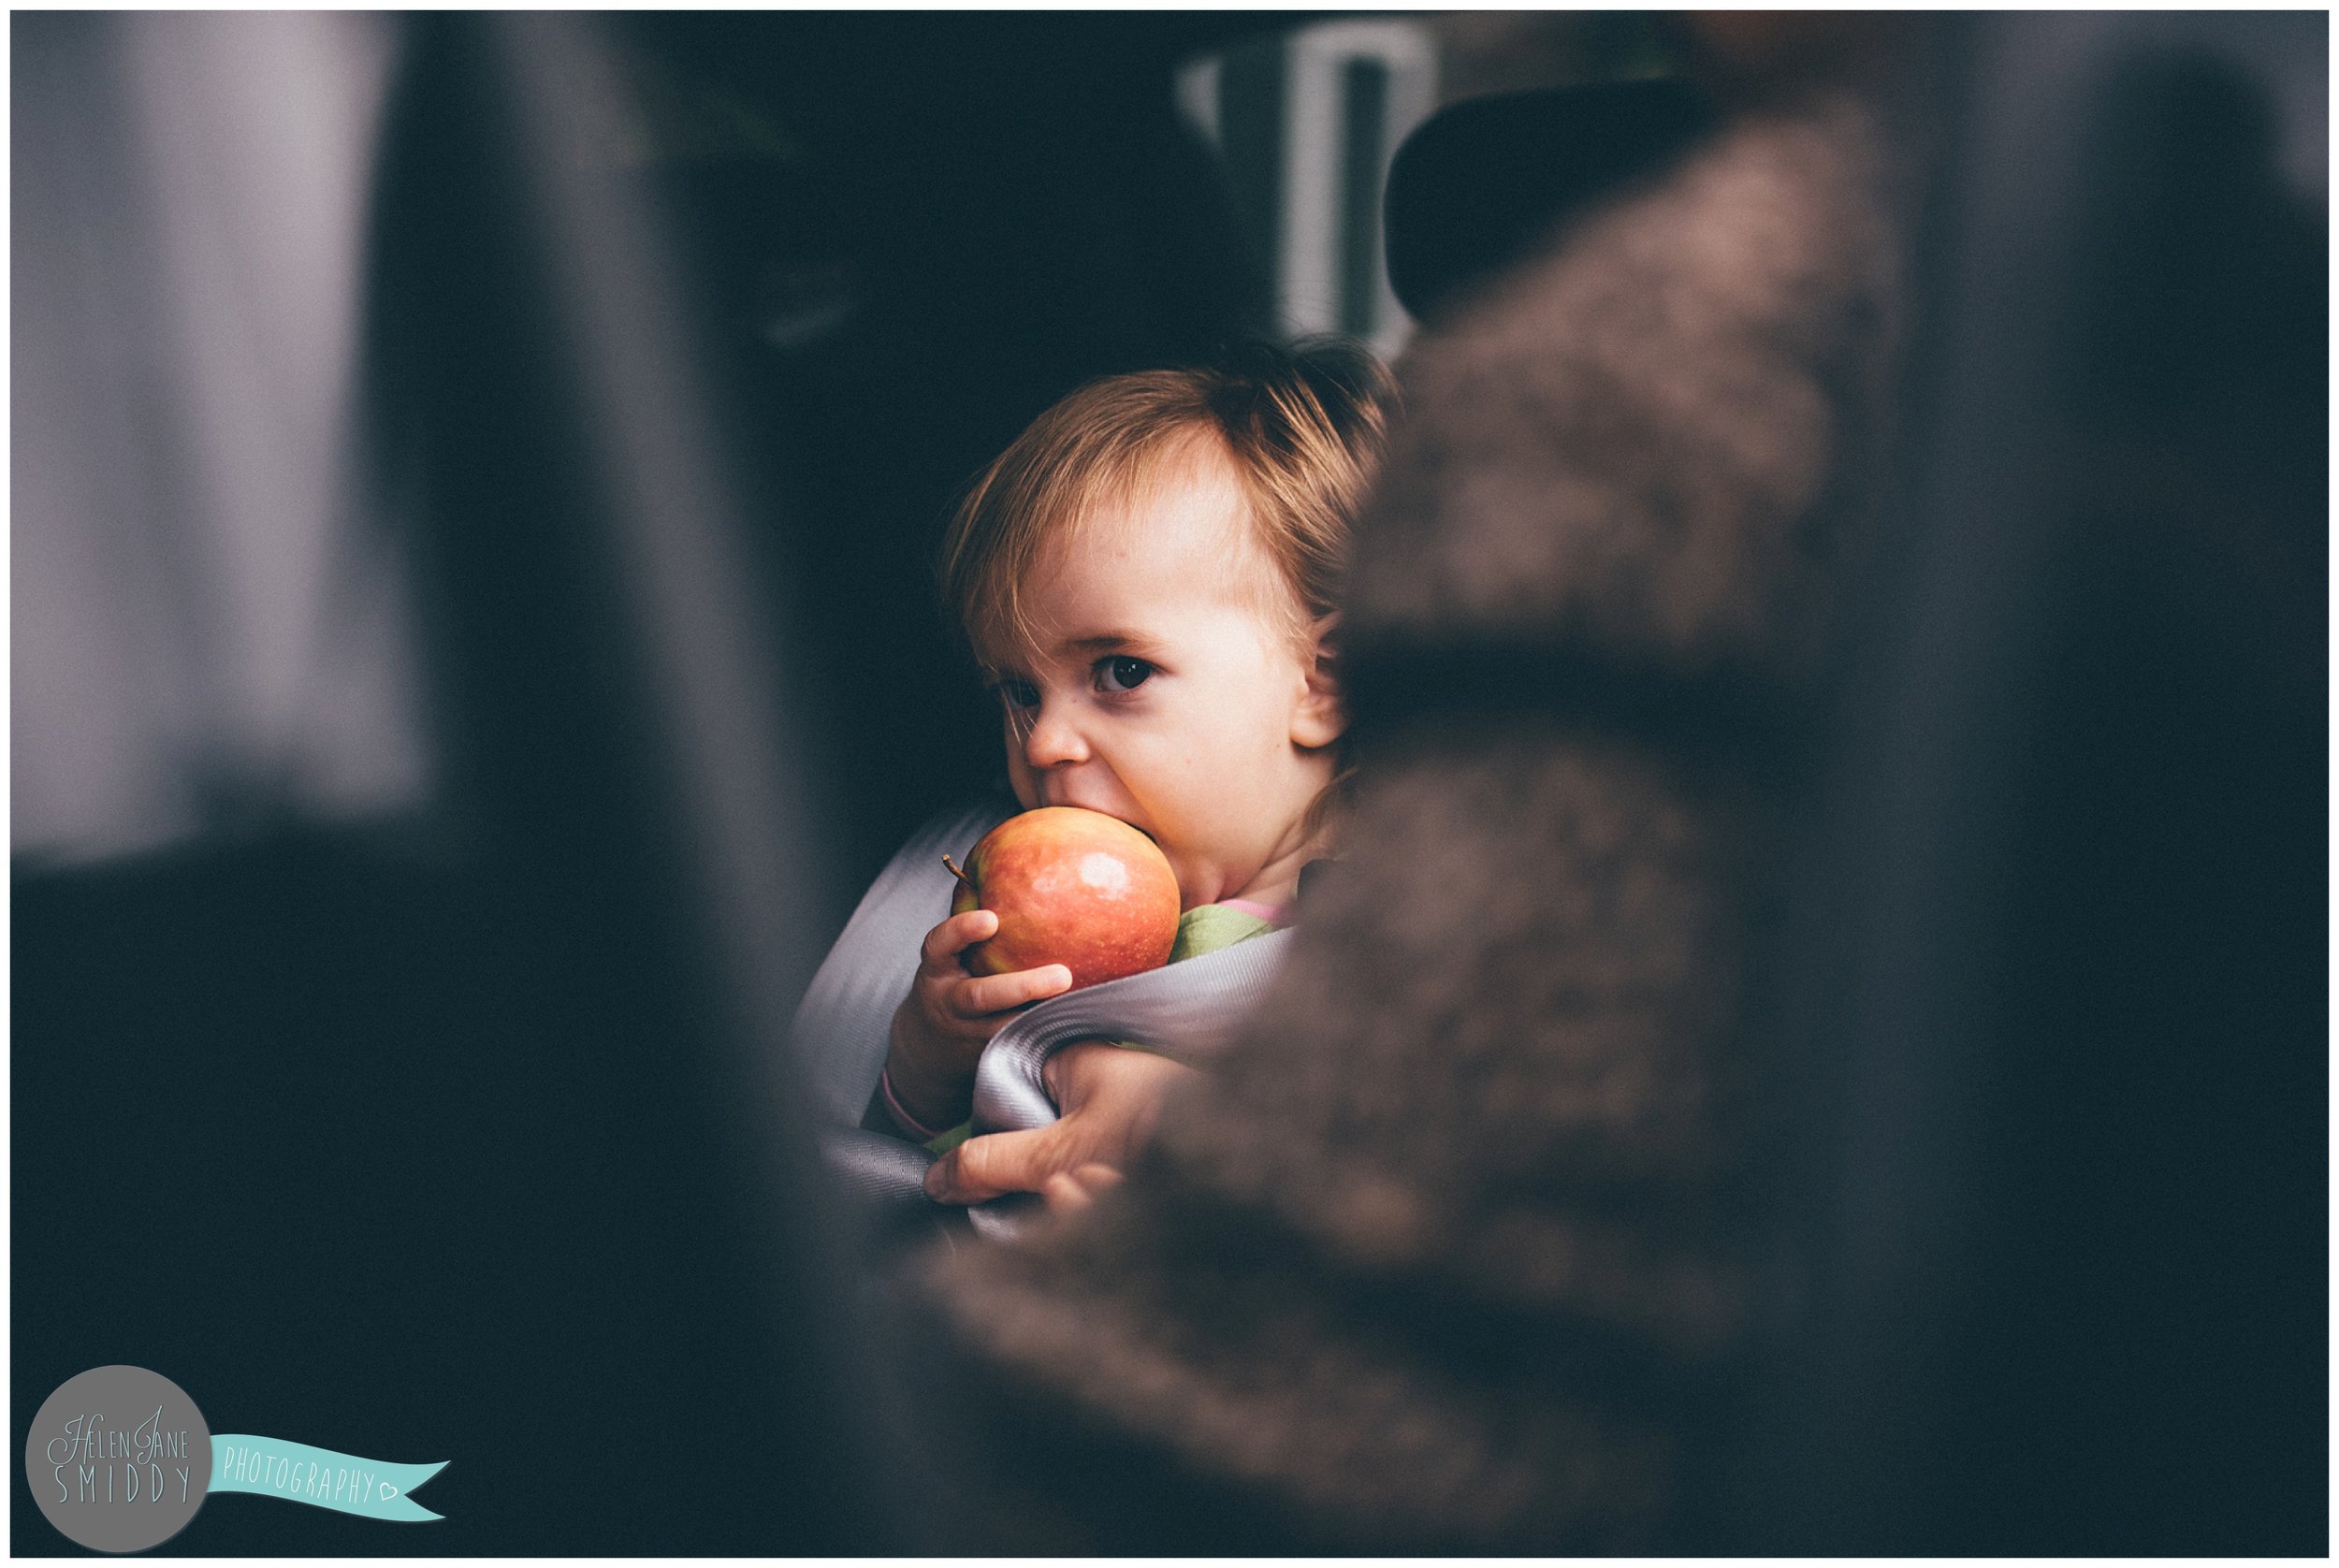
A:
(1185, 1009)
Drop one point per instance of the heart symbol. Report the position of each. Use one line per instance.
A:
(389, 1491)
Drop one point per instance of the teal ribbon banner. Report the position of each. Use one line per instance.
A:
(274, 1468)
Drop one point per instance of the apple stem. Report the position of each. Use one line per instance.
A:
(955, 871)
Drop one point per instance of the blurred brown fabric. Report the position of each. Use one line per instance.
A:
(1457, 1249)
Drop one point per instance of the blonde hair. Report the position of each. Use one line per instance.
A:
(1301, 429)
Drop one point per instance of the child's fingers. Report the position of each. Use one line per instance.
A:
(939, 954)
(978, 998)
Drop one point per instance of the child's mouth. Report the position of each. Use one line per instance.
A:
(1102, 811)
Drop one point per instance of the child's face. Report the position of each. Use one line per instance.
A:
(1164, 694)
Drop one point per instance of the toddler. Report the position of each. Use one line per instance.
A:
(1146, 578)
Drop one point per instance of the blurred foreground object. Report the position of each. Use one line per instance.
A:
(342, 341)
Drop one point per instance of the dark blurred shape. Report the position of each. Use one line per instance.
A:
(1487, 183)
(462, 1140)
(1482, 53)
(2067, 934)
(1752, 54)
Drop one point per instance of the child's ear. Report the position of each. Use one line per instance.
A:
(1321, 717)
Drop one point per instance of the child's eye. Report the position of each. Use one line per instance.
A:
(1123, 673)
(1017, 692)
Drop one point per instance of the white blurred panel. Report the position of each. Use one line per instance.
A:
(1315, 172)
(207, 622)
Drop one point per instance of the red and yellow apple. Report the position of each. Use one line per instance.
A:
(1071, 886)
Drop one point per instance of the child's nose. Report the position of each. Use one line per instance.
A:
(1055, 739)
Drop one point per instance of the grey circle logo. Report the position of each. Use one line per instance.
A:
(119, 1458)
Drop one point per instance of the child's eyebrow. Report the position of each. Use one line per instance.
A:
(1106, 642)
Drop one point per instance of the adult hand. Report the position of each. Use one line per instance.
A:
(1110, 1098)
(949, 1016)
(1068, 1191)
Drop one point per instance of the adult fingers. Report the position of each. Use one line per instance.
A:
(1096, 1178)
(1064, 1194)
(1064, 1073)
(976, 998)
(938, 953)
(983, 1168)
(1070, 1191)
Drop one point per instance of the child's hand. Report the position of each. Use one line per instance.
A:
(949, 1016)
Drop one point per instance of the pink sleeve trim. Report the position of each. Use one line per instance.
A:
(1272, 914)
(903, 1119)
